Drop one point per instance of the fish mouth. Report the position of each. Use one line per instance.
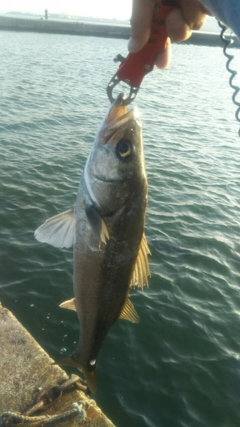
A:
(118, 112)
(118, 117)
(117, 109)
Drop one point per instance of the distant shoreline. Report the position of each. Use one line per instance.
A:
(81, 28)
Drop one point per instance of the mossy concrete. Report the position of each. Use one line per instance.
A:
(25, 368)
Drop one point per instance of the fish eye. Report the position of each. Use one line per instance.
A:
(124, 148)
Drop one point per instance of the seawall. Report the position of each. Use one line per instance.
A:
(98, 30)
(31, 385)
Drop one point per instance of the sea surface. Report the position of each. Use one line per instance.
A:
(180, 366)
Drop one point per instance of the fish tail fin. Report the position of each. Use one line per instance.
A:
(67, 361)
(90, 375)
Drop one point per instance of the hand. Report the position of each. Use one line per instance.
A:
(179, 24)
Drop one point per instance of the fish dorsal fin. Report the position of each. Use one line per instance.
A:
(98, 225)
(141, 270)
(129, 313)
(58, 231)
(70, 304)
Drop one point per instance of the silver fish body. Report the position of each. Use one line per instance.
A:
(106, 228)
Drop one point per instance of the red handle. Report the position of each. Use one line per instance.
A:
(136, 65)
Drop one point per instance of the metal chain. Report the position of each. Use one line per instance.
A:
(46, 397)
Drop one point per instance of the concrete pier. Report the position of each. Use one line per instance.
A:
(79, 28)
(25, 369)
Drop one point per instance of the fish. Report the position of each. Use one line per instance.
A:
(106, 230)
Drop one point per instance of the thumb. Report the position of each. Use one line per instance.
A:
(141, 22)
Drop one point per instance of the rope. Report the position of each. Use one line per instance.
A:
(11, 419)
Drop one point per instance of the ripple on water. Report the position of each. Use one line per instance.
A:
(179, 367)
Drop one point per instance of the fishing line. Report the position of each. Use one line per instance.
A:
(227, 44)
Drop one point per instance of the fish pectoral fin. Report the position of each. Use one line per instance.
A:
(141, 270)
(98, 225)
(129, 313)
(70, 304)
(58, 231)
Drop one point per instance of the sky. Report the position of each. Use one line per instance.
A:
(110, 9)
(95, 8)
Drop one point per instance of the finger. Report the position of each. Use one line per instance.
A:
(205, 10)
(177, 28)
(193, 13)
(141, 21)
(163, 58)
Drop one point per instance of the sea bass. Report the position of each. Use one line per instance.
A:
(106, 229)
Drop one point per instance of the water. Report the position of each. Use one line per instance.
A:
(180, 366)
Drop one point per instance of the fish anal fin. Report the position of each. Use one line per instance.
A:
(98, 225)
(69, 304)
(129, 313)
(141, 270)
(58, 231)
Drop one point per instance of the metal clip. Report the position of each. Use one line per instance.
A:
(133, 69)
(114, 82)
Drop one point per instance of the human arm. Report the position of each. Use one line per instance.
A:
(180, 22)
